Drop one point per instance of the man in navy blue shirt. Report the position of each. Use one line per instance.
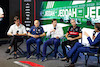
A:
(36, 32)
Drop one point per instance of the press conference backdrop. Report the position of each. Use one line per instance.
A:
(80, 10)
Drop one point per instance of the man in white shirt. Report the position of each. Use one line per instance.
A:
(56, 33)
(1, 13)
(16, 31)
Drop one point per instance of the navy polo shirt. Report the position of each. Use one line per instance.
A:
(36, 30)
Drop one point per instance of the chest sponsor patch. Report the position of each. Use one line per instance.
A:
(73, 33)
(33, 29)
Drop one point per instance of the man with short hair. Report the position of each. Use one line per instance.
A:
(73, 34)
(56, 33)
(36, 32)
(16, 30)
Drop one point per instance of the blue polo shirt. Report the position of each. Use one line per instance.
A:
(36, 30)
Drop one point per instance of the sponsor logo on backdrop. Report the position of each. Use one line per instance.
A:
(81, 10)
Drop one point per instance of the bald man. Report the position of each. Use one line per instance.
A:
(36, 32)
(73, 34)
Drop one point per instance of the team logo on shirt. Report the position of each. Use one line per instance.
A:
(33, 29)
(73, 33)
(76, 29)
(38, 29)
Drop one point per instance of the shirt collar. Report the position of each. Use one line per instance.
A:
(75, 27)
(35, 27)
(18, 26)
(53, 26)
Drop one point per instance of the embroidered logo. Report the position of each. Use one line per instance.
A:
(33, 29)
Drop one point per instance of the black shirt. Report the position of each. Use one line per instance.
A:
(74, 32)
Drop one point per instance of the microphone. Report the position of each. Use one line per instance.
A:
(55, 28)
(94, 33)
(17, 31)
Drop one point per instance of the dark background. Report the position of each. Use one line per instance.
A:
(14, 9)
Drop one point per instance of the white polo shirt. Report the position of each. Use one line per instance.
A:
(58, 32)
(14, 28)
(1, 11)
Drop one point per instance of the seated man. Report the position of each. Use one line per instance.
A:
(16, 31)
(73, 34)
(56, 33)
(36, 32)
(78, 47)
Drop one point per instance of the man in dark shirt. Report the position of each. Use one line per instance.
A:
(73, 34)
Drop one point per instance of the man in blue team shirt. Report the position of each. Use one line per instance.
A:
(36, 32)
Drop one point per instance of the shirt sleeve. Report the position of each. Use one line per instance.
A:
(48, 33)
(24, 30)
(61, 33)
(42, 30)
(68, 30)
(80, 31)
(10, 30)
(31, 29)
(1, 11)
(95, 42)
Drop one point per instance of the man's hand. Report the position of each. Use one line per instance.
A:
(71, 39)
(57, 37)
(86, 34)
(52, 30)
(93, 37)
(1, 15)
(35, 36)
(17, 34)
